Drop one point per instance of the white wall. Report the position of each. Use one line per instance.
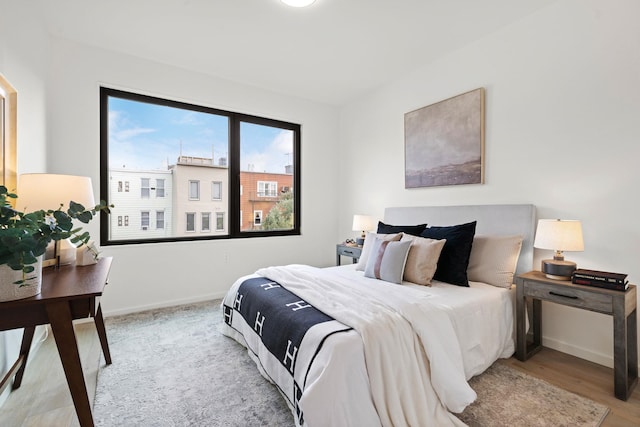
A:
(152, 275)
(562, 132)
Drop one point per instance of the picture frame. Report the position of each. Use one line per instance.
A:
(444, 142)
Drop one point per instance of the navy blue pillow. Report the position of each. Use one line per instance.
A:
(454, 258)
(414, 230)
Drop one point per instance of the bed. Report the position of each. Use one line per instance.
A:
(362, 345)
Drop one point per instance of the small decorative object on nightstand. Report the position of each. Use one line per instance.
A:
(559, 235)
(343, 249)
(619, 304)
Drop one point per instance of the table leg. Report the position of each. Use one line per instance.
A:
(61, 322)
(27, 338)
(102, 334)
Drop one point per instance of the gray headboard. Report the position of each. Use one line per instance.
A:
(492, 219)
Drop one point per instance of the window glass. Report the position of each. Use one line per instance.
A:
(144, 219)
(168, 148)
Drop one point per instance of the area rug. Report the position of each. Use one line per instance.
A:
(172, 367)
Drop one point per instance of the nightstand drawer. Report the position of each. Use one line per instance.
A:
(570, 296)
(352, 251)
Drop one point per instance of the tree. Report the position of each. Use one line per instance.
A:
(280, 217)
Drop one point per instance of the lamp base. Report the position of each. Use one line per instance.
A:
(558, 270)
(359, 241)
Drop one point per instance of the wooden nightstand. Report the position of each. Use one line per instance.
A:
(351, 251)
(620, 305)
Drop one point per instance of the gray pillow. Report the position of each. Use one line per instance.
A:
(386, 260)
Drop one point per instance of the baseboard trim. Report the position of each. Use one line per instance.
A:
(163, 304)
(582, 353)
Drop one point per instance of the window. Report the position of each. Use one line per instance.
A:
(219, 221)
(191, 222)
(126, 220)
(144, 188)
(194, 190)
(205, 224)
(144, 220)
(159, 220)
(216, 190)
(119, 220)
(159, 187)
(119, 186)
(257, 218)
(267, 189)
(160, 144)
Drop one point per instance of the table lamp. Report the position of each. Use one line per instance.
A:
(45, 191)
(362, 223)
(559, 235)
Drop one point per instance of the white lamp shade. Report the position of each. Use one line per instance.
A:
(362, 223)
(559, 235)
(43, 191)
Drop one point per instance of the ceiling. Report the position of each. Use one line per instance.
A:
(331, 52)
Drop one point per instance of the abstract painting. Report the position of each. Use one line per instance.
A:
(444, 142)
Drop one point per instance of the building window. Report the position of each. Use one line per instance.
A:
(119, 220)
(159, 187)
(144, 220)
(219, 221)
(216, 190)
(267, 189)
(194, 190)
(126, 220)
(119, 186)
(191, 222)
(144, 188)
(246, 149)
(159, 220)
(257, 218)
(205, 221)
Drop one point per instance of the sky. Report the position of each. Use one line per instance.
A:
(146, 136)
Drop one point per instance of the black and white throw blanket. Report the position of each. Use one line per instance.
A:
(283, 331)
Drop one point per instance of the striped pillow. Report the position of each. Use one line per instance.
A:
(386, 260)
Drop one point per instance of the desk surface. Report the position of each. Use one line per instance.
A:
(68, 282)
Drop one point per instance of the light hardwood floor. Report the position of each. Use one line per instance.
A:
(44, 399)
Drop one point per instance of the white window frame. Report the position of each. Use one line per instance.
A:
(143, 215)
(145, 188)
(160, 193)
(160, 220)
(257, 215)
(194, 185)
(205, 221)
(267, 188)
(186, 225)
(216, 190)
(219, 221)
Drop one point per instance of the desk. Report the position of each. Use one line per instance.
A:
(67, 294)
(621, 305)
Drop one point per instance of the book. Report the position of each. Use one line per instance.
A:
(600, 284)
(600, 276)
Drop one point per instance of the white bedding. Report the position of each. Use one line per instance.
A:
(413, 374)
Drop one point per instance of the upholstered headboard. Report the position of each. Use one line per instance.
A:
(492, 219)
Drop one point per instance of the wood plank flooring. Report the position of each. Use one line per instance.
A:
(44, 399)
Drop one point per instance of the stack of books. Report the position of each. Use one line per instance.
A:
(600, 279)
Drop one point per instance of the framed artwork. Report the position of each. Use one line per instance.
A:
(444, 142)
(8, 124)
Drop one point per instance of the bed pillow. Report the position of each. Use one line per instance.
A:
(387, 260)
(422, 259)
(454, 258)
(368, 243)
(409, 229)
(494, 259)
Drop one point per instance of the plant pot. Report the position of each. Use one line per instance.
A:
(9, 291)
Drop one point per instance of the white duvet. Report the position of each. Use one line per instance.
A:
(411, 352)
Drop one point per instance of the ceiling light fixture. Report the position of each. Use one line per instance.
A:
(298, 3)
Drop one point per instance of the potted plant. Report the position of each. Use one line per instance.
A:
(24, 236)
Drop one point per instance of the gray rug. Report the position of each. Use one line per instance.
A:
(172, 367)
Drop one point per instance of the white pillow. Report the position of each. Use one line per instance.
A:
(368, 243)
(387, 260)
(422, 260)
(494, 259)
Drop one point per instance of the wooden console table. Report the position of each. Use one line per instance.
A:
(67, 294)
(621, 305)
